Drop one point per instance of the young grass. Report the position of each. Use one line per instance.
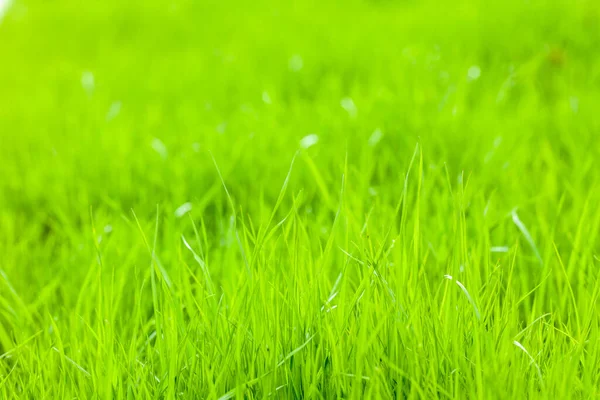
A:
(358, 199)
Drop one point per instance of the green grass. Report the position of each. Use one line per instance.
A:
(438, 240)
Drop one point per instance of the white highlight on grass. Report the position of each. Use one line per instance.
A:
(203, 266)
(4, 4)
(464, 289)
(87, 81)
(296, 350)
(108, 229)
(266, 98)
(309, 140)
(296, 63)
(466, 292)
(278, 388)
(348, 104)
(531, 324)
(527, 235)
(113, 111)
(333, 294)
(490, 154)
(79, 367)
(199, 260)
(473, 73)
(159, 147)
(375, 138)
(499, 249)
(487, 207)
(574, 103)
(537, 367)
(366, 378)
(183, 209)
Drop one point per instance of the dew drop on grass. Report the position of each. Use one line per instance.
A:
(87, 81)
(309, 140)
(183, 209)
(159, 147)
(113, 111)
(4, 4)
(574, 103)
(266, 98)
(348, 104)
(296, 63)
(375, 138)
(499, 249)
(473, 73)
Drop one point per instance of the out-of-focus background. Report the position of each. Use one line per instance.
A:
(117, 101)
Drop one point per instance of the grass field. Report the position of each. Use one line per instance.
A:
(311, 199)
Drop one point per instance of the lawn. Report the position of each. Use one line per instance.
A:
(306, 199)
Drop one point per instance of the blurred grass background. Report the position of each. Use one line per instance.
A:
(195, 72)
(89, 90)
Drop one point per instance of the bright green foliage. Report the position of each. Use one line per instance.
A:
(389, 199)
